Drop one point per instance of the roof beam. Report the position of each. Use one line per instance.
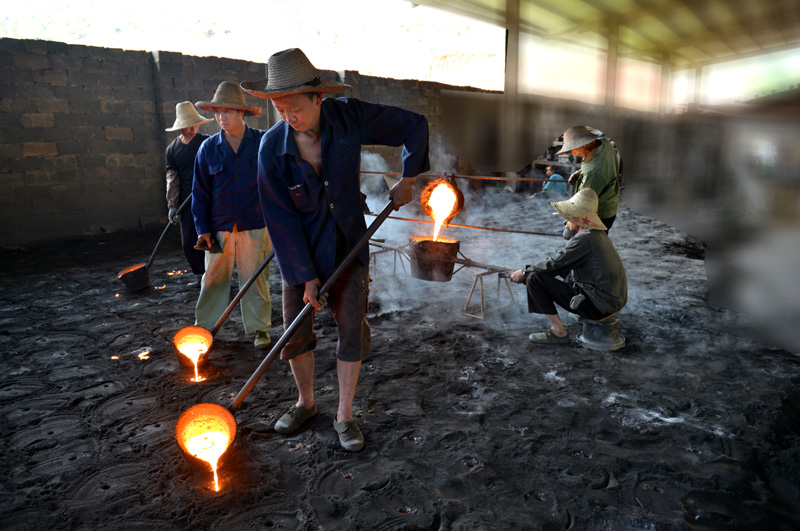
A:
(736, 57)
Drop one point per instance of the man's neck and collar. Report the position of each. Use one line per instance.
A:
(234, 136)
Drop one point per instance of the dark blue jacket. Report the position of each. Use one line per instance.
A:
(303, 209)
(225, 189)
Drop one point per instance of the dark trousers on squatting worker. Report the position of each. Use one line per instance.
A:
(545, 291)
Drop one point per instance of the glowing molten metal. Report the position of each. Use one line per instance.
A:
(209, 447)
(193, 342)
(441, 200)
(205, 432)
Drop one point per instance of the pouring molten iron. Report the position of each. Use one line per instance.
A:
(433, 258)
(441, 200)
(204, 432)
(192, 344)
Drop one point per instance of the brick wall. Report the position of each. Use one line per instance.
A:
(82, 135)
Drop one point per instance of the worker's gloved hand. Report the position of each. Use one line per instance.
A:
(573, 178)
(173, 215)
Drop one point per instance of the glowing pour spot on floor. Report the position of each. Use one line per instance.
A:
(144, 355)
(114, 357)
(193, 351)
(209, 447)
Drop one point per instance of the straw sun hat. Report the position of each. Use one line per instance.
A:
(228, 96)
(581, 209)
(187, 116)
(576, 137)
(290, 72)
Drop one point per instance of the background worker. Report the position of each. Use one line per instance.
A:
(599, 169)
(179, 158)
(589, 263)
(226, 208)
(556, 185)
(309, 183)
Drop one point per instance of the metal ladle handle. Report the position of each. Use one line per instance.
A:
(287, 335)
(169, 223)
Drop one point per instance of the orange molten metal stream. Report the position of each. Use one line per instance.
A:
(442, 202)
(209, 447)
(193, 351)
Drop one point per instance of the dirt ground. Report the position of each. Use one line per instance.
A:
(469, 425)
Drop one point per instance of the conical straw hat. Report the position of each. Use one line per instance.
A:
(576, 137)
(581, 209)
(187, 116)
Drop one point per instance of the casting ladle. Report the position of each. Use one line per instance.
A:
(199, 335)
(214, 414)
(135, 277)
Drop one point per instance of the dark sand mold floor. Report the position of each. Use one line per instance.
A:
(469, 426)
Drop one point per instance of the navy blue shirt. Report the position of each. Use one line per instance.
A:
(302, 209)
(225, 189)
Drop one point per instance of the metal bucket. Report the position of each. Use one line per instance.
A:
(135, 277)
(433, 260)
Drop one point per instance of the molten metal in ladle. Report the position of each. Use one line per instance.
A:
(193, 343)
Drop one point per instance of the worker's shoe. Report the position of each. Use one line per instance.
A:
(549, 338)
(350, 436)
(291, 421)
(262, 339)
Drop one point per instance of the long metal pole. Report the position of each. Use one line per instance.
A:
(474, 227)
(287, 335)
(169, 223)
(241, 293)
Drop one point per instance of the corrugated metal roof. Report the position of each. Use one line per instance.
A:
(684, 33)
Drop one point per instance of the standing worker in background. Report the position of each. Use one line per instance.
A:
(179, 157)
(309, 183)
(227, 211)
(599, 169)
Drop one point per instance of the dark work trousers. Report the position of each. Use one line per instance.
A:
(608, 222)
(545, 291)
(195, 258)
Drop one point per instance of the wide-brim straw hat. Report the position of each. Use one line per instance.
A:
(581, 209)
(290, 72)
(576, 137)
(187, 116)
(228, 96)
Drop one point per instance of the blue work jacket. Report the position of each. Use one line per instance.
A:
(225, 188)
(303, 209)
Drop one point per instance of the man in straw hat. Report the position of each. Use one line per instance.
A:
(308, 179)
(226, 208)
(599, 168)
(596, 285)
(180, 157)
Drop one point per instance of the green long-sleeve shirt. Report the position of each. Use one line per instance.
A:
(600, 172)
